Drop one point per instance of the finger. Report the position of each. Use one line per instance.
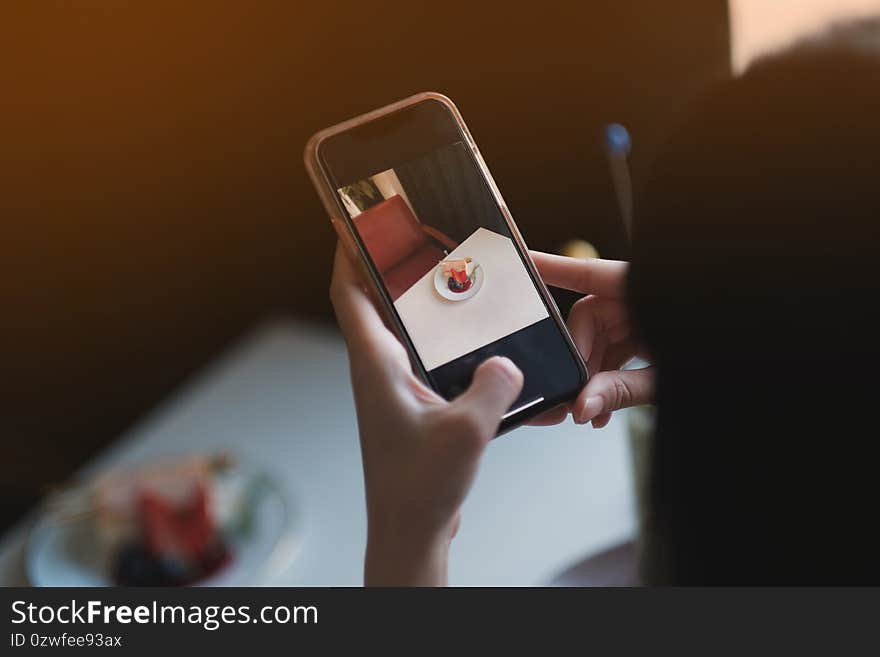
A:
(357, 317)
(609, 315)
(456, 525)
(594, 322)
(495, 386)
(365, 333)
(618, 354)
(602, 277)
(600, 421)
(549, 418)
(612, 390)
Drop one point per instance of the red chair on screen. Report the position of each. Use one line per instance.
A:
(402, 248)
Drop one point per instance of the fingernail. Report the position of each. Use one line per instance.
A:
(591, 408)
(509, 365)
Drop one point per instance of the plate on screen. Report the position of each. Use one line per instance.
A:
(445, 284)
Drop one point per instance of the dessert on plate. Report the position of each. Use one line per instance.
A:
(459, 274)
(162, 524)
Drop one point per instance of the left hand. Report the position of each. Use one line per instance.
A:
(420, 452)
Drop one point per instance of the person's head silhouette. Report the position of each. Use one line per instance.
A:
(755, 285)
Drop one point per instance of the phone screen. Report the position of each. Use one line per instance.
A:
(441, 247)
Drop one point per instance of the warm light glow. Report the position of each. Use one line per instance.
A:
(761, 26)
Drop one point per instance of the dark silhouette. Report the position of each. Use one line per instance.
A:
(755, 285)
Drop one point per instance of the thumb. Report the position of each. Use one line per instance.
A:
(496, 384)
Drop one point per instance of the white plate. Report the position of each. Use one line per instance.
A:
(442, 286)
(65, 554)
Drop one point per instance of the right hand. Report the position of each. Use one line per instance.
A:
(600, 327)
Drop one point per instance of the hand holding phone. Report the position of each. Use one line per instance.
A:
(420, 451)
(600, 327)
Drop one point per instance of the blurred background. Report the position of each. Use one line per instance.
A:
(152, 194)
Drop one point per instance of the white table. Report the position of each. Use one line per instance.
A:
(545, 497)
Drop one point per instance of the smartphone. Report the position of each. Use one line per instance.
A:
(417, 206)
